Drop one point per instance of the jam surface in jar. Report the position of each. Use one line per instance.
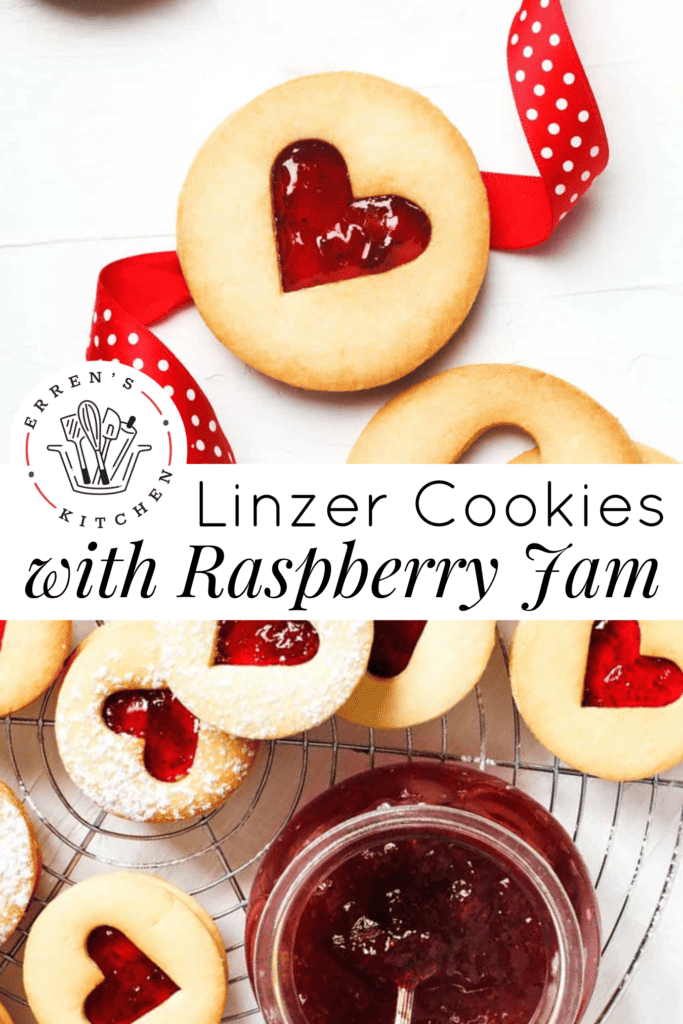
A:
(437, 914)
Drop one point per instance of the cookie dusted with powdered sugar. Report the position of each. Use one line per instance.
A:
(20, 861)
(31, 657)
(264, 679)
(130, 744)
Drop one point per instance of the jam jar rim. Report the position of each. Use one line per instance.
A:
(330, 844)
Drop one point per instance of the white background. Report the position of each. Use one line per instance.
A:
(104, 105)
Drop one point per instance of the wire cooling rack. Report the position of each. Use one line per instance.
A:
(630, 834)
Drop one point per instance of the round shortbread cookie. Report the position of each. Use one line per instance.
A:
(4, 1016)
(31, 657)
(264, 701)
(448, 660)
(648, 455)
(109, 766)
(20, 861)
(436, 421)
(548, 669)
(349, 334)
(59, 974)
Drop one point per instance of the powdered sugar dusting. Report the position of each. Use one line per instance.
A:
(264, 702)
(108, 766)
(18, 866)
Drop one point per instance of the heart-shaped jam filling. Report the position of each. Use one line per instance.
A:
(133, 984)
(323, 234)
(169, 730)
(265, 643)
(393, 646)
(619, 676)
(3, 623)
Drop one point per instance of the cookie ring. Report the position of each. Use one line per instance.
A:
(123, 656)
(20, 861)
(547, 670)
(448, 660)
(259, 701)
(4, 1016)
(648, 456)
(349, 334)
(437, 420)
(59, 974)
(31, 658)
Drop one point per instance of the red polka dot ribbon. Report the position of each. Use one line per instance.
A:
(132, 293)
(566, 136)
(562, 125)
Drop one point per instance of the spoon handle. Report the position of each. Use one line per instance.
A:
(404, 1004)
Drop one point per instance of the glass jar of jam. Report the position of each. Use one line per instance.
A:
(428, 877)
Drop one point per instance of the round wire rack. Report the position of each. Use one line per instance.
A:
(629, 834)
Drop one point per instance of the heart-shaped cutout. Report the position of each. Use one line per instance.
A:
(265, 643)
(133, 984)
(619, 676)
(393, 646)
(169, 730)
(323, 234)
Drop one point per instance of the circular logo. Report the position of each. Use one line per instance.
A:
(99, 443)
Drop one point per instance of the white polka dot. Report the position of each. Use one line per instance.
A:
(546, 152)
(163, 364)
(94, 318)
(576, 141)
(568, 165)
(107, 314)
(217, 452)
(114, 360)
(190, 395)
(532, 114)
(133, 339)
(138, 364)
(583, 116)
(563, 215)
(170, 390)
(560, 190)
(595, 150)
(561, 104)
(574, 197)
(195, 421)
(96, 341)
(200, 445)
(514, 39)
(520, 76)
(539, 90)
(554, 39)
(536, 27)
(547, 65)
(585, 176)
(528, 51)
(212, 425)
(569, 78)
(111, 340)
(544, 3)
(554, 128)
(522, 15)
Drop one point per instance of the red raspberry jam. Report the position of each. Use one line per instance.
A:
(265, 643)
(619, 676)
(3, 623)
(323, 234)
(431, 875)
(393, 646)
(169, 730)
(133, 984)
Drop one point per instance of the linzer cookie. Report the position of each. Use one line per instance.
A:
(438, 419)
(334, 232)
(418, 671)
(31, 657)
(130, 744)
(120, 946)
(20, 861)
(264, 679)
(605, 697)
